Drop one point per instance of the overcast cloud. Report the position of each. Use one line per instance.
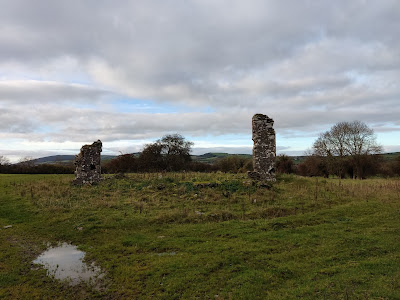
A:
(128, 72)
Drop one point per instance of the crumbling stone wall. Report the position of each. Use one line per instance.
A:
(264, 149)
(87, 162)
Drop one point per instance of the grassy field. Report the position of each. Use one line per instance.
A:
(205, 236)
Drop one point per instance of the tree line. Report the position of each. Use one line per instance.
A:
(172, 153)
(313, 165)
(27, 166)
(348, 149)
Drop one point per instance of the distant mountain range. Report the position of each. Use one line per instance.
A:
(206, 158)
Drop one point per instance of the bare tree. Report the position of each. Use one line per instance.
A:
(26, 163)
(347, 141)
(361, 140)
(333, 142)
(4, 161)
(332, 145)
(27, 160)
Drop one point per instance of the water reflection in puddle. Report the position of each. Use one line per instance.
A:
(64, 262)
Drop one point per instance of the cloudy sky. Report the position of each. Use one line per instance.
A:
(129, 72)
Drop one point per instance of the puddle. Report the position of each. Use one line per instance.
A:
(65, 262)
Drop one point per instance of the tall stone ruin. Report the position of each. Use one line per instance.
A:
(264, 148)
(87, 162)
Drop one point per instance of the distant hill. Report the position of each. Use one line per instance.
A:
(63, 159)
(391, 155)
(67, 159)
(212, 157)
(205, 158)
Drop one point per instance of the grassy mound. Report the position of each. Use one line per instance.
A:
(192, 235)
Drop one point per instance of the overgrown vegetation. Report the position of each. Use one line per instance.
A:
(30, 168)
(347, 144)
(385, 165)
(205, 235)
(371, 165)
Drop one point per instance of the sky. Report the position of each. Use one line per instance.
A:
(129, 72)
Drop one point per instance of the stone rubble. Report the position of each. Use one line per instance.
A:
(87, 162)
(264, 149)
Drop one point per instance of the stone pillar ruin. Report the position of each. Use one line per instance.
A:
(87, 162)
(264, 149)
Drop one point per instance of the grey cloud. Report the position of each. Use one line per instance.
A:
(26, 91)
(392, 148)
(76, 124)
(177, 38)
(27, 153)
(14, 122)
(307, 64)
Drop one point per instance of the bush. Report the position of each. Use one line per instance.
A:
(234, 164)
(124, 163)
(284, 164)
(312, 166)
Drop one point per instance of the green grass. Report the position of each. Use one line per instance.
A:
(201, 236)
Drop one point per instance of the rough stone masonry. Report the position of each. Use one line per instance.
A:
(87, 162)
(264, 148)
